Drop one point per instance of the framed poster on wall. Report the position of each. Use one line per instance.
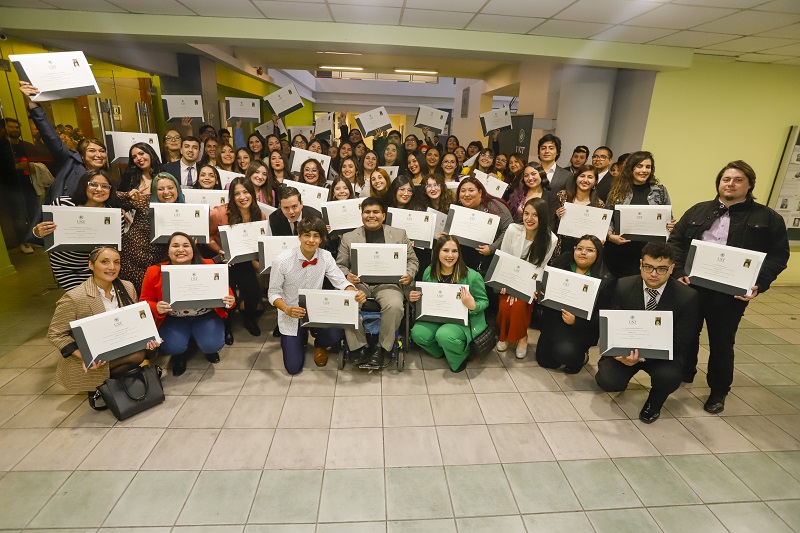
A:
(785, 195)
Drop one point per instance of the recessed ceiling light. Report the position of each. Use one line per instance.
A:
(341, 53)
(407, 71)
(340, 68)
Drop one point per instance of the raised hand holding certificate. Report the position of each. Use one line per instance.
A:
(210, 197)
(82, 228)
(496, 119)
(177, 106)
(517, 276)
(311, 195)
(378, 263)
(567, 290)
(726, 269)
(240, 241)
(650, 332)
(434, 119)
(56, 75)
(342, 215)
(472, 227)
(114, 334)
(166, 219)
(580, 220)
(441, 302)
(323, 127)
(328, 308)
(268, 128)
(300, 156)
(244, 109)
(118, 144)
(285, 100)
(372, 121)
(418, 225)
(271, 247)
(642, 222)
(194, 286)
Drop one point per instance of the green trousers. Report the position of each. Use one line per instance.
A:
(449, 340)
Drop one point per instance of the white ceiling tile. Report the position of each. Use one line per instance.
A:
(36, 4)
(762, 58)
(465, 6)
(435, 19)
(751, 44)
(525, 8)
(371, 3)
(693, 39)
(749, 22)
(606, 11)
(365, 14)
(228, 8)
(294, 11)
(733, 4)
(791, 50)
(679, 17)
(87, 5)
(503, 24)
(155, 7)
(631, 34)
(569, 29)
(781, 6)
(787, 32)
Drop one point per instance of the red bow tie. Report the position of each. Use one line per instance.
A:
(312, 262)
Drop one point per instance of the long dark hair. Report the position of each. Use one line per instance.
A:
(234, 215)
(268, 186)
(572, 185)
(358, 177)
(446, 197)
(217, 185)
(340, 179)
(79, 197)
(132, 175)
(263, 152)
(598, 269)
(416, 203)
(421, 161)
(459, 269)
(541, 241)
(487, 200)
(197, 258)
(477, 166)
(623, 184)
(122, 294)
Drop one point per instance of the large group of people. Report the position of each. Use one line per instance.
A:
(431, 175)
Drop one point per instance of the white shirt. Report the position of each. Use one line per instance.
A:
(660, 291)
(111, 304)
(185, 174)
(551, 172)
(602, 175)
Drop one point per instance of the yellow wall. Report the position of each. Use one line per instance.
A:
(716, 112)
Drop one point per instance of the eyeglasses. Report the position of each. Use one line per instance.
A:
(95, 185)
(172, 137)
(433, 186)
(600, 157)
(661, 270)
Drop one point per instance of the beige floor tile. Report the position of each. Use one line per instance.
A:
(491, 380)
(456, 409)
(572, 440)
(734, 406)
(583, 380)
(266, 383)
(298, 449)
(7, 374)
(358, 383)
(411, 446)
(533, 379)
(670, 437)
(632, 401)
(764, 401)
(407, 411)
(256, 412)
(621, 438)
(313, 384)
(717, 435)
(306, 412)
(682, 403)
(446, 382)
(763, 433)
(182, 385)
(357, 411)
(221, 382)
(203, 412)
(31, 381)
(240, 449)
(520, 443)
(62, 449)
(406, 383)
(595, 406)
(86, 417)
(25, 356)
(789, 423)
(355, 448)
(466, 445)
(122, 449)
(181, 449)
(11, 405)
(504, 408)
(233, 358)
(550, 407)
(45, 411)
(17, 443)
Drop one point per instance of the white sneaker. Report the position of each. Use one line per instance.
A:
(522, 352)
(502, 346)
(26, 248)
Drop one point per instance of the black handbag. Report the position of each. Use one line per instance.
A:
(484, 342)
(134, 392)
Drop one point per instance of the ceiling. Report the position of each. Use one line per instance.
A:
(764, 31)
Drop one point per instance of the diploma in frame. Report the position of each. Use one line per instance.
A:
(271, 247)
(472, 227)
(722, 268)
(56, 75)
(378, 263)
(518, 277)
(194, 286)
(240, 241)
(328, 308)
(650, 332)
(166, 219)
(82, 229)
(573, 292)
(441, 303)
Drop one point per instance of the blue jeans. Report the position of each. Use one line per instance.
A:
(294, 353)
(208, 331)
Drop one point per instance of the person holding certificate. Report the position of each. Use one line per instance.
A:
(277, 169)
(305, 267)
(452, 340)
(416, 168)
(143, 164)
(534, 184)
(262, 182)
(637, 185)
(733, 218)
(579, 190)
(653, 290)
(565, 339)
(403, 194)
(171, 146)
(311, 172)
(208, 328)
(439, 195)
(449, 167)
(472, 195)
(534, 242)
(241, 207)
(101, 292)
(208, 178)
(379, 184)
(349, 171)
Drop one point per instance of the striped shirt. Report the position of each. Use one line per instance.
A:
(70, 268)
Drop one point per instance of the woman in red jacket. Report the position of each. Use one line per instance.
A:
(177, 328)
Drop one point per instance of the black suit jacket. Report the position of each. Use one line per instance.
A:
(604, 187)
(677, 297)
(279, 225)
(174, 168)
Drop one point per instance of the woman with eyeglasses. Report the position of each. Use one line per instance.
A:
(485, 162)
(461, 156)
(311, 172)
(439, 195)
(501, 168)
(449, 168)
(172, 146)
(300, 141)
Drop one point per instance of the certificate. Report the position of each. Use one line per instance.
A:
(268, 128)
(271, 247)
(194, 286)
(266, 209)
(226, 177)
(580, 220)
(378, 263)
(495, 187)
(177, 106)
(419, 225)
(82, 228)
(284, 100)
(518, 277)
(310, 195)
(342, 215)
(567, 290)
(642, 222)
(118, 144)
(496, 119)
(451, 185)
(472, 227)
(210, 197)
(305, 131)
(471, 161)
(441, 302)
(166, 219)
(323, 127)
(114, 334)
(434, 119)
(439, 223)
(392, 171)
(244, 109)
(240, 241)
(723, 268)
(328, 308)
(300, 156)
(372, 121)
(650, 332)
(56, 75)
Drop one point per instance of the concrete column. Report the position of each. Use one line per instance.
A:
(196, 75)
(468, 128)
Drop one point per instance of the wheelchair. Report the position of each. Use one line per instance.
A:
(371, 317)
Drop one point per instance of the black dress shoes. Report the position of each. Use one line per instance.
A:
(178, 365)
(649, 413)
(228, 332)
(715, 404)
(276, 332)
(375, 360)
(250, 324)
(358, 357)
(212, 357)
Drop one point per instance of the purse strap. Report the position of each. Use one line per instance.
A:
(136, 372)
(93, 397)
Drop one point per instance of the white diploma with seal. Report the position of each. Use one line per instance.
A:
(166, 219)
(342, 215)
(328, 308)
(642, 222)
(439, 223)
(244, 109)
(300, 156)
(311, 195)
(266, 209)
(226, 177)
(194, 286)
(56, 75)
(434, 119)
(580, 220)
(378, 263)
(268, 128)
(392, 171)
(419, 225)
(82, 229)
(305, 131)
(210, 197)
(323, 127)
(722, 268)
(518, 277)
(623, 331)
(118, 144)
(567, 290)
(496, 119)
(372, 121)
(285, 100)
(441, 302)
(115, 333)
(493, 185)
(177, 106)
(240, 241)
(472, 227)
(270, 247)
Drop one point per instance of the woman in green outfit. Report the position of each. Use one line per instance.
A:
(451, 340)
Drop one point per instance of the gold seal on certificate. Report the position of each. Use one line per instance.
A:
(580, 220)
(493, 185)
(311, 195)
(82, 228)
(244, 109)
(240, 241)
(518, 277)
(166, 219)
(419, 225)
(284, 100)
(496, 119)
(472, 227)
(342, 215)
(434, 119)
(194, 286)
(57, 75)
(378, 263)
(441, 302)
(177, 106)
(210, 197)
(642, 222)
(650, 332)
(372, 121)
(300, 156)
(723, 268)
(271, 247)
(328, 308)
(567, 290)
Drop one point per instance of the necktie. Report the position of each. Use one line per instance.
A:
(189, 181)
(651, 303)
(294, 227)
(312, 262)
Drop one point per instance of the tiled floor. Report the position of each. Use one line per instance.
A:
(505, 447)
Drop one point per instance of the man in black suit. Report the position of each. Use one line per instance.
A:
(283, 222)
(185, 169)
(601, 161)
(653, 290)
(549, 152)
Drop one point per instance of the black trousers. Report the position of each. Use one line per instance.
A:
(665, 377)
(244, 278)
(559, 344)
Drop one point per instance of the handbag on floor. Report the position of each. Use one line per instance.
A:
(484, 342)
(130, 394)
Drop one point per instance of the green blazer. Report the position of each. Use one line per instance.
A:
(477, 288)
